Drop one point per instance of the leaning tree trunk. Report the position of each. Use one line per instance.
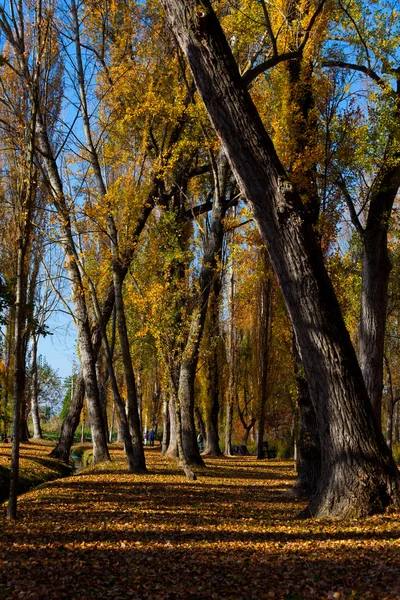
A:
(71, 422)
(359, 476)
(88, 362)
(132, 438)
(190, 358)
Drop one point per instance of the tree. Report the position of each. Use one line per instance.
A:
(360, 476)
(367, 167)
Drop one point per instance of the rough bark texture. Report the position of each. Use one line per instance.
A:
(359, 475)
(376, 268)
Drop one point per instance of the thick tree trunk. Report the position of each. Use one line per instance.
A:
(359, 476)
(37, 430)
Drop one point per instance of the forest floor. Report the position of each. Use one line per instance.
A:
(36, 466)
(232, 534)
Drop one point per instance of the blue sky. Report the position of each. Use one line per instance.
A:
(59, 349)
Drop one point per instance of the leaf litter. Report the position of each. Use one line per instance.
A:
(232, 534)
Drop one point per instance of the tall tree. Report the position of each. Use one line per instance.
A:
(360, 476)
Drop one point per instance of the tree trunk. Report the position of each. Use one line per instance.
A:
(166, 428)
(18, 385)
(374, 295)
(172, 449)
(200, 423)
(211, 447)
(190, 358)
(37, 430)
(247, 429)
(359, 476)
(263, 355)
(396, 424)
(308, 458)
(232, 366)
(71, 422)
(133, 409)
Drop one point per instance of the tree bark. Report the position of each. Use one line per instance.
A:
(376, 267)
(37, 430)
(190, 358)
(18, 383)
(172, 449)
(166, 428)
(359, 476)
(308, 458)
(211, 447)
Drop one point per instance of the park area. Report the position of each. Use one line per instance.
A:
(231, 534)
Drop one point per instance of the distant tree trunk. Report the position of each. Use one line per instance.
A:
(110, 437)
(18, 382)
(200, 423)
(392, 399)
(308, 457)
(232, 366)
(396, 425)
(71, 422)
(247, 429)
(37, 430)
(120, 435)
(172, 449)
(359, 476)
(211, 447)
(166, 427)
(212, 250)
(263, 356)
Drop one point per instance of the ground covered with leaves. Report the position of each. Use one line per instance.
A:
(35, 466)
(232, 534)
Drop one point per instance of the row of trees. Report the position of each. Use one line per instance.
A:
(110, 156)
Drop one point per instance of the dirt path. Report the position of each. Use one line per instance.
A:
(104, 534)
